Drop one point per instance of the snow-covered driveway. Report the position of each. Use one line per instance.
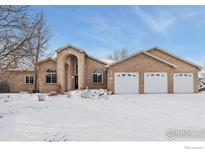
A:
(118, 118)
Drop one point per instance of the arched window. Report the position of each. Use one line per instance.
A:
(51, 76)
(98, 76)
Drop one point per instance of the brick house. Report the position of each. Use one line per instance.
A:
(150, 71)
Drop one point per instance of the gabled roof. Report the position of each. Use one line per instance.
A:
(80, 50)
(159, 59)
(145, 53)
(47, 59)
(70, 46)
(177, 57)
(91, 57)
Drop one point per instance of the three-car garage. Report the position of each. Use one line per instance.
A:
(154, 82)
(153, 71)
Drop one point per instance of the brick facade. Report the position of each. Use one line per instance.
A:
(43, 67)
(142, 63)
(91, 65)
(182, 67)
(72, 62)
(16, 80)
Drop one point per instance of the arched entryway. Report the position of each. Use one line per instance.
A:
(71, 73)
(70, 69)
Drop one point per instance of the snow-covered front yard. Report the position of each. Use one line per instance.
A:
(113, 118)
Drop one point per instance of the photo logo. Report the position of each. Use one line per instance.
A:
(172, 134)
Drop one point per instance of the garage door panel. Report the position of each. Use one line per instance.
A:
(183, 82)
(155, 82)
(126, 82)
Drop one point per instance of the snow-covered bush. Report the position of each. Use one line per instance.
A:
(94, 94)
(85, 93)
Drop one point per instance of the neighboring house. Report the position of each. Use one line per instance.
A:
(150, 71)
(202, 75)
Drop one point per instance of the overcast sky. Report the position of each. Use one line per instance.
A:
(100, 30)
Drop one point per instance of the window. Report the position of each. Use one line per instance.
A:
(29, 79)
(51, 76)
(98, 76)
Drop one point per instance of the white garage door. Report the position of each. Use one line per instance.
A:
(155, 82)
(183, 82)
(126, 83)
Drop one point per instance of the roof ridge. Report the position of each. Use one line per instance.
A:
(148, 54)
(132, 55)
(46, 59)
(160, 59)
(70, 46)
(97, 59)
(173, 55)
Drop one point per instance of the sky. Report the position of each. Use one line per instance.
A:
(100, 30)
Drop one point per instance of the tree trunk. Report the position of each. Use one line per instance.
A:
(35, 81)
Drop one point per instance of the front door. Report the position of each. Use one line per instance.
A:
(76, 81)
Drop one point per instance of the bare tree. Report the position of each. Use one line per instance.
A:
(118, 55)
(13, 34)
(37, 45)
